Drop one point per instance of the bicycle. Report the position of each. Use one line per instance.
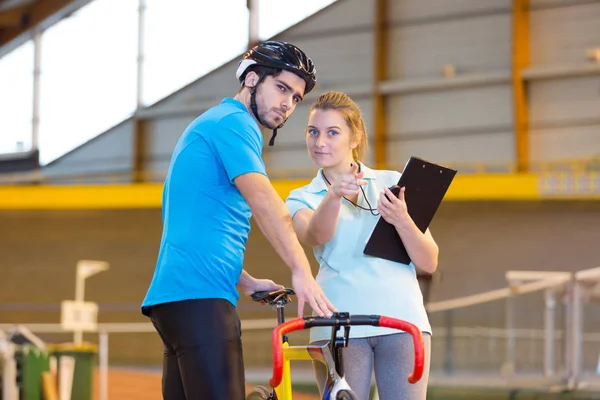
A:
(330, 354)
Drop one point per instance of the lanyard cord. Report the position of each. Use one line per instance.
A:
(370, 209)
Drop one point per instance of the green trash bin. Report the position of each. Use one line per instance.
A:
(33, 363)
(83, 374)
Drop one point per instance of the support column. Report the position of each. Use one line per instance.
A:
(140, 56)
(253, 23)
(139, 125)
(520, 61)
(380, 52)
(35, 123)
(139, 150)
(37, 40)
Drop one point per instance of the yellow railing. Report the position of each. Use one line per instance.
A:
(575, 166)
(465, 168)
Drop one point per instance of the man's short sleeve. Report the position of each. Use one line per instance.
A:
(297, 201)
(239, 146)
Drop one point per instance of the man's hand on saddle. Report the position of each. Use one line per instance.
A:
(252, 285)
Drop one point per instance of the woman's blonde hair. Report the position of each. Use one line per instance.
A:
(341, 102)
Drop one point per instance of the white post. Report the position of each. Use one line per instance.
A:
(549, 336)
(140, 55)
(79, 296)
(577, 334)
(85, 269)
(9, 369)
(103, 360)
(568, 329)
(79, 287)
(509, 367)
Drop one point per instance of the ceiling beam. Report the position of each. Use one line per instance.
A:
(42, 14)
(14, 17)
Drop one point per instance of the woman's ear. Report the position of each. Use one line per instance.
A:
(355, 141)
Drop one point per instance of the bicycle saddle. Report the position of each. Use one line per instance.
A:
(281, 296)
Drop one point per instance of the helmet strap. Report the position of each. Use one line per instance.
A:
(254, 108)
(253, 105)
(272, 140)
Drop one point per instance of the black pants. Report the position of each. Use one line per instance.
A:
(203, 350)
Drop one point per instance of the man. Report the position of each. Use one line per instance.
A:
(216, 182)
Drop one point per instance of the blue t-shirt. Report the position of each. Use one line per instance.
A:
(205, 218)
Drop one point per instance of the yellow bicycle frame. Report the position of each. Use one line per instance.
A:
(284, 390)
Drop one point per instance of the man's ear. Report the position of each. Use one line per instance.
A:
(251, 79)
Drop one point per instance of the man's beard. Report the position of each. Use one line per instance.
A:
(269, 123)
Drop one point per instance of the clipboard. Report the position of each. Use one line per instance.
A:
(426, 185)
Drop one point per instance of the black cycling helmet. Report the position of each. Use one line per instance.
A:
(277, 55)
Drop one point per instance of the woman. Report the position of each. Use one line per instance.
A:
(334, 215)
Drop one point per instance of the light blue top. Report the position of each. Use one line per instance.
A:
(206, 220)
(352, 281)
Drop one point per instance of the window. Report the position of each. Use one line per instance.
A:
(16, 99)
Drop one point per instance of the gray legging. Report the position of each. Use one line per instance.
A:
(392, 356)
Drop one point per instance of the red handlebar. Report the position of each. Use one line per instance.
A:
(277, 338)
(388, 322)
(415, 332)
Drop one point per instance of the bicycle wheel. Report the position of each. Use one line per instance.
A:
(260, 393)
(346, 394)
